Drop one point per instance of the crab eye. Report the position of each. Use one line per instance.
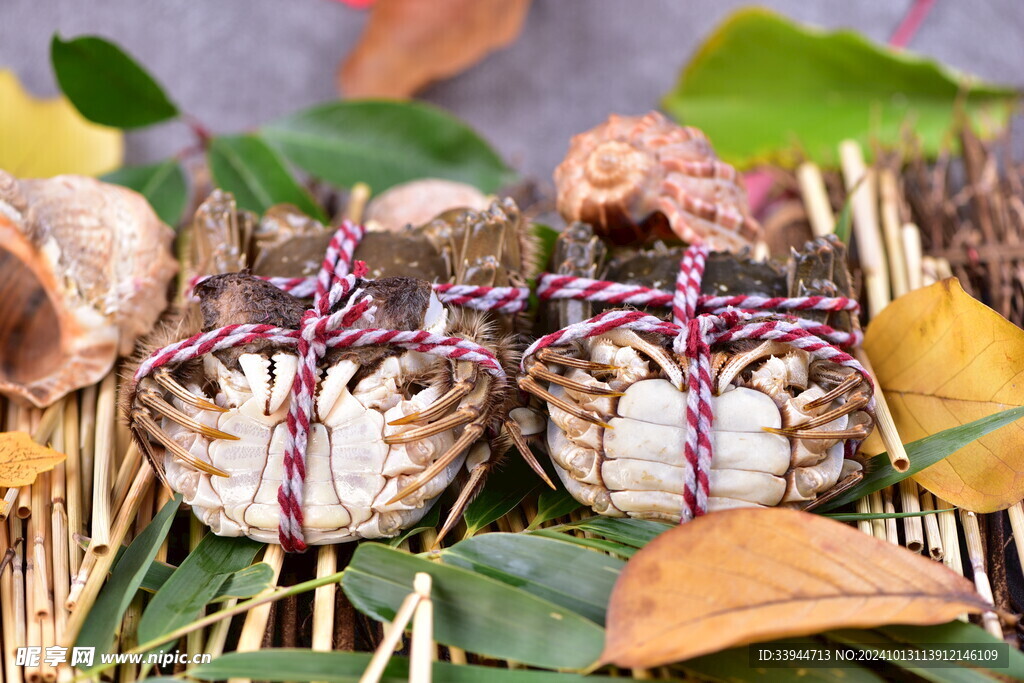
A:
(436, 314)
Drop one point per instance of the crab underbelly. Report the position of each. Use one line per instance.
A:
(351, 474)
(636, 469)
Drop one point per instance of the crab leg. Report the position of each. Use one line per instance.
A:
(846, 385)
(169, 411)
(795, 433)
(469, 435)
(540, 372)
(164, 378)
(529, 385)
(476, 481)
(854, 404)
(514, 431)
(147, 423)
(552, 356)
(459, 417)
(463, 385)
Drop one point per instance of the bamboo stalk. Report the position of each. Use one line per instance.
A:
(87, 445)
(73, 492)
(972, 533)
(18, 573)
(125, 474)
(815, 196)
(8, 616)
(196, 531)
(860, 185)
(884, 421)
(877, 525)
(864, 508)
(950, 536)
(23, 423)
(936, 550)
(421, 654)
(33, 632)
(61, 569)
(1016, 513)
(457, 655)
(382, 655)
(255, 624)
(891, 533)
(37, 534)
(888, 191)
(103, 464)
(913, 254)
(128, 639)
(357, 199)
(219, 632)
(323, 599)
(10, 501)
(913, 528)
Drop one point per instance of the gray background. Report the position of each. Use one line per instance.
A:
(237, 63)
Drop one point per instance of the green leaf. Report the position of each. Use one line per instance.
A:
(105, 615)
(633, 532)
(764, 89)
(474, 612)
(504, 490)
(347, 667)
(552, 505)
(384, 143)
(867, 516)
(593, 543)
(162, 184)
(106, 85)
(922, 453)
(194, 584)
(568, 575)
(429, 521)
(246, 583)
(247, 167)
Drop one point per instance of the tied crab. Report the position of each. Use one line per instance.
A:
(391, 428)
(785, 424)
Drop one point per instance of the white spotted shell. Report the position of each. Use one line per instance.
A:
(84, 270)
(620, 174)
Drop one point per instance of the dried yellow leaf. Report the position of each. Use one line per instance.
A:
(944, 359)
(48, 137)
(748, 575)
(22, 459)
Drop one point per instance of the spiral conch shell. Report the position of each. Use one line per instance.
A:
(623, 173)
(84, 270)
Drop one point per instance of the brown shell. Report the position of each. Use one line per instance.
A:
(84, 269)
(630, 172)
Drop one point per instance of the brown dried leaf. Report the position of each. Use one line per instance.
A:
(410, 43)
(741, 576)
(22, 459)
(945, 359)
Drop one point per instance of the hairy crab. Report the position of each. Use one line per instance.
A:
(785, 425)
(391, 428)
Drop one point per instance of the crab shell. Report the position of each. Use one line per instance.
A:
(419, 201)
(84, 270)
(634, 170)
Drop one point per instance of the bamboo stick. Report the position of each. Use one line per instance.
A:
(10, 502)
(860, 185)
(815, 196)
(357, 199)
(913, 528)
(33, 631)
(877, 525)
(422, 654)
(936, 550)
(87, 445)
(888, 191)
(196, 531)
(884, 421)
(972, 533)
(18, 574)
(929, 271)
(864, 508)
(8, 616)
(950, 536)
(219, 632)
(125, 474)
(255, 624)
(323, 599)
(73, 492)
(37, 534)
(913, 254)
(382, 655)
(23, 423)
(891, 533)
(1016, 513)
(103, 465)
(128, 639)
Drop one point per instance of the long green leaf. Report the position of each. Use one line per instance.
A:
(247, 167)
(429, 521)
(242, 584)
(552, 505)
(765, 89)
(383, 143)
(472, 611)
(504, 490)
(922, 453)
(604, 546)
(867, 516)
(195, 583)
(106, 613)
(568, 575)
(633, 532)
(106, 85)
(162, 184)
(347, 667)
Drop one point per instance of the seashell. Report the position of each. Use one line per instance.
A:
(631, 173)
(84, 270)
(418, 201)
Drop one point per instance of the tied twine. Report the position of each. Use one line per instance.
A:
(724, 319)
(338, 284)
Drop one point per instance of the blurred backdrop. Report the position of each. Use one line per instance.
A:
(237, 63)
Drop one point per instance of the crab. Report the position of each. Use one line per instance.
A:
(391, 428)
(784, 423)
